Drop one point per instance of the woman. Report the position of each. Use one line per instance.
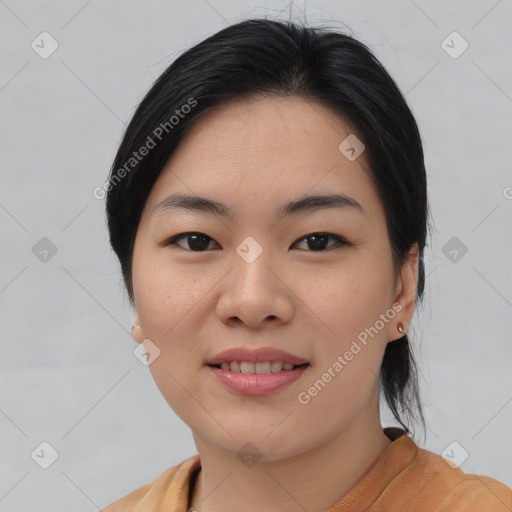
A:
(268, 205)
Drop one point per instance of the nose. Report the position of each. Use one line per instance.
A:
(255, 293)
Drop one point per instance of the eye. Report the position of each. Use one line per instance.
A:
(197, 242)
(317, 242)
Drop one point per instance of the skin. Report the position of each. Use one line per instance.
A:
(253, 156)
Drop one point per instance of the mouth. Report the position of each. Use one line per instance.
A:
(242, 378)
(267, 359)
(256, 372)
(261, 368)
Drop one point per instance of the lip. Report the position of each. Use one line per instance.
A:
(259, 355)
(257, 384)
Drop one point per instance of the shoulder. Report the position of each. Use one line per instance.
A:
(457, 491)
(478, 493)
(171, 483)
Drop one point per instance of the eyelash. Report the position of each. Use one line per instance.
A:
(339, 240)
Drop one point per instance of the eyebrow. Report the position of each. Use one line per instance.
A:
(304, 204)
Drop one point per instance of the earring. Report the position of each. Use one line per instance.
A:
(400, 327)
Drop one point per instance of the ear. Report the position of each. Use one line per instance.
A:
(405, 292)
(137, 333)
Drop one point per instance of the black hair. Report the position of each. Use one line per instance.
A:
(265, 57)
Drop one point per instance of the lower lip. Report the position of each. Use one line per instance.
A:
(257, 384)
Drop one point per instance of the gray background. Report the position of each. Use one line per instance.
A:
(68, 373)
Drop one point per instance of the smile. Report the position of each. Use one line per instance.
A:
(244, 378)
(262, 368)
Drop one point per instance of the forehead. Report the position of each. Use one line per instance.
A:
(259, 125)
(268, 148)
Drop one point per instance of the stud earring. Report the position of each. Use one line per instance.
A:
(400, 327)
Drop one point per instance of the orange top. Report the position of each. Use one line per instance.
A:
(404, 478)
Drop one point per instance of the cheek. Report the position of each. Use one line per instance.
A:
(348, 304)
(347, 301)
(164, 296)
(172, 301)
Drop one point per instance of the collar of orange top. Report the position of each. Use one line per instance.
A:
(398, 455)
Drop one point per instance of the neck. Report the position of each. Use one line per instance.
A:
(312, 481)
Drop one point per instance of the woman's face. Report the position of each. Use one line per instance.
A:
(313, 280)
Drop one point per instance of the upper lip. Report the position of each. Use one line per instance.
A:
(260, 355)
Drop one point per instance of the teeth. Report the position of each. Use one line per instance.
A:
(247, 367)
(262, 368)
(276, 366)
(257, 368)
